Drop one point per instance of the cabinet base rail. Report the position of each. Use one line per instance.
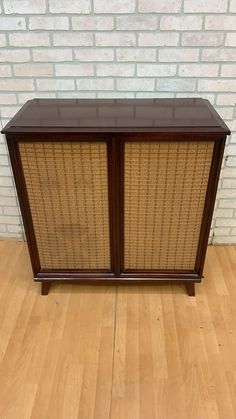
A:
(189, 285)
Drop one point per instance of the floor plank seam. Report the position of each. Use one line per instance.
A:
(113, 351)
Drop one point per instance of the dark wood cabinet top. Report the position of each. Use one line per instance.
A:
(116, 115)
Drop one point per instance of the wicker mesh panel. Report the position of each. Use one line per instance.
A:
(165, 190)
(67, 184)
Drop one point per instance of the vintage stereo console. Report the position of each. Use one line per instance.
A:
(117, 191)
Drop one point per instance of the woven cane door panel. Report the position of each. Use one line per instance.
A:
(67, 186)
(165, 191)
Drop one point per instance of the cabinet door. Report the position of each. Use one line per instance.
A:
(67, 188)
(165, 186)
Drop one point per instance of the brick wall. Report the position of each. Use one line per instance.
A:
(120, 48)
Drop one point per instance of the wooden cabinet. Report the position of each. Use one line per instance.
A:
(117, 191)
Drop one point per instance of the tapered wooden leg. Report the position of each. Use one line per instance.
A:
(190, 288)
(45, 287)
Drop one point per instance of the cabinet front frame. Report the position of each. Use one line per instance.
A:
(115, 151)
(56, 274)
(217, 156)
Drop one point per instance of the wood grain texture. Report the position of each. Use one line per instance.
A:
(117, 352)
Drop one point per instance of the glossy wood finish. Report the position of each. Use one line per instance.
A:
(105, 352)
(113, 115)
(115, 121)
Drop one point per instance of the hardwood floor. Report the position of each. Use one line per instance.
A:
(102, 352)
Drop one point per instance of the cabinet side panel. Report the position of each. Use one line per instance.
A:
(67, 186)
(164, 198)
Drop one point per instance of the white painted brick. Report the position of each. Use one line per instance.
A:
(2, 136)
(92, 23)
(74, 70)
(7, 99)
(15, 236)
(160, 6)
(183, 54)
(69, 6)
(12, 23)
(115, 69)
(25, 6)
(233, 135)
(136, 54)
(193, 39)
(23, 97)
(176, 85)
(136, 22)
(232, 6)
(217, 85)
(8, 201)
(5, 70)
(203, 6)
(224, 240)
(156, 67)
(9, 219)
(225, 222)
(226, 193)
(9, 111)
(138, 85)
(225, 54)
(2, 40)
(115, 39)
(94, 54)
(181, 23)
(95, 84)
(115, 95)
(2, 227)
(223, 213)
(156, 70)
(6, 192)
(56, 84)
(76, 95)
(227, 203)
(73, 39)
(15, 56)
(118, 6)
(16, 84)
(155, 95)
(226, 113)
(52, 55)
(230, 39)
(48, 22)
(220, 22)
(15, 228)
(33, 70)
(226, 99)
(229, 183)
(6, 181)
(11, 211)
(158, 39)
(231, 149)
(198, 70)
(208, 96)
(231, 161)
(4, 160)
(228, 70)
(30, 39)
(221, 231)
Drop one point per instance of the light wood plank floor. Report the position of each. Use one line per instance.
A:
(117, 352)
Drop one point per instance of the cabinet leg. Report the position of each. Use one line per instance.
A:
(190, 288)
(45, 287)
